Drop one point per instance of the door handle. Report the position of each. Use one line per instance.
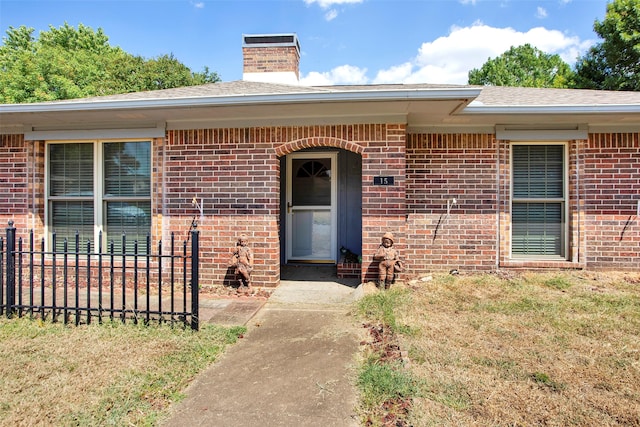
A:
(288, 207)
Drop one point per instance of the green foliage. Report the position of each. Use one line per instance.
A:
(66, 63)
(380, 307)
(382, 382)
(523, 66)
(613, 64)
(69, 39)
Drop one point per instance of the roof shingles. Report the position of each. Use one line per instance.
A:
(490, 95)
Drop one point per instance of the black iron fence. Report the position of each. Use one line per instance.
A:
(82, 285)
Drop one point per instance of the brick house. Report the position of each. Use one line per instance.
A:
(466, 177)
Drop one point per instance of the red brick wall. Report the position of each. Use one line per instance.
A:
(383, 207)
(271, 59)
(611, 176)
(13, 181)
(236, 174)
(441, 167)
(577, 206)
(21, 184)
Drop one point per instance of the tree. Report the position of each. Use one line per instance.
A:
(523, 66)
(66, 62)
(613, 64)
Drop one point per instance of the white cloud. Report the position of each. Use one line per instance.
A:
(344, 74)
(541, 12)
(397, 73)
(449, 59)
(326, 4)
(331, 15)
(198, 5)
(471, 2)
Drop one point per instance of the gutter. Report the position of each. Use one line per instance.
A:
(476, 109)
(260, 99)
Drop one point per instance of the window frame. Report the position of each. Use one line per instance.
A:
(98, 197)
(564, 204)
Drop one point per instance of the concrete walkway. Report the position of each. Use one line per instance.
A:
(294, 367)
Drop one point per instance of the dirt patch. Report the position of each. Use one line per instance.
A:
(235, 292)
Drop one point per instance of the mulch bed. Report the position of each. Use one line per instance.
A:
(235, 292)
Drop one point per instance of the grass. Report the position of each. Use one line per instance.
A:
(386, 388)
(381, 308)
(558, 348)
(382, 382)
(110, 374)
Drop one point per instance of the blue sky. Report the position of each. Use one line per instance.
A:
(342, 41)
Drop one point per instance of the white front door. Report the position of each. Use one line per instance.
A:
(311, 207)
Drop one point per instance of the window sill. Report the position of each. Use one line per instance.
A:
(542, 263)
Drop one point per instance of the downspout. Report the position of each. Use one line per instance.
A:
(163, 200)
(578, 209)
(497, 204)
(35, 146)
(32, 165)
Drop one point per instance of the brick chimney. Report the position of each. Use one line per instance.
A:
(271, 58)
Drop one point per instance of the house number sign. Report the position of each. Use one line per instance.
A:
(383, 180)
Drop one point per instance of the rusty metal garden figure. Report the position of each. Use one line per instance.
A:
(389, 261)
(242, 260)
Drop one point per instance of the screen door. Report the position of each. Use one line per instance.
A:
(311, 207)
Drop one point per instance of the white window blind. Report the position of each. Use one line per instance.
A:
(121, 203)
(538, 200)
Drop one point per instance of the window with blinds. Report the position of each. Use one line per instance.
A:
(114, 197)
(127, 193)
(537, 208)
(71, 194)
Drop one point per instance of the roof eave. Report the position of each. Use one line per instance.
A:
(553, 109)
(264, 99)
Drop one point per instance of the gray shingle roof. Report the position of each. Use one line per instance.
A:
(490, 95)
(207, 90)
(521, 96)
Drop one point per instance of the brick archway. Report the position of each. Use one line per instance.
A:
(316, 142)
(346, 221)
(383, 208)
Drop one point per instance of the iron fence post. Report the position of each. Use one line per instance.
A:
(12, 276)
(11, 269)
(195, 286)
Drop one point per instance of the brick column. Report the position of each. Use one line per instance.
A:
(383, 206)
